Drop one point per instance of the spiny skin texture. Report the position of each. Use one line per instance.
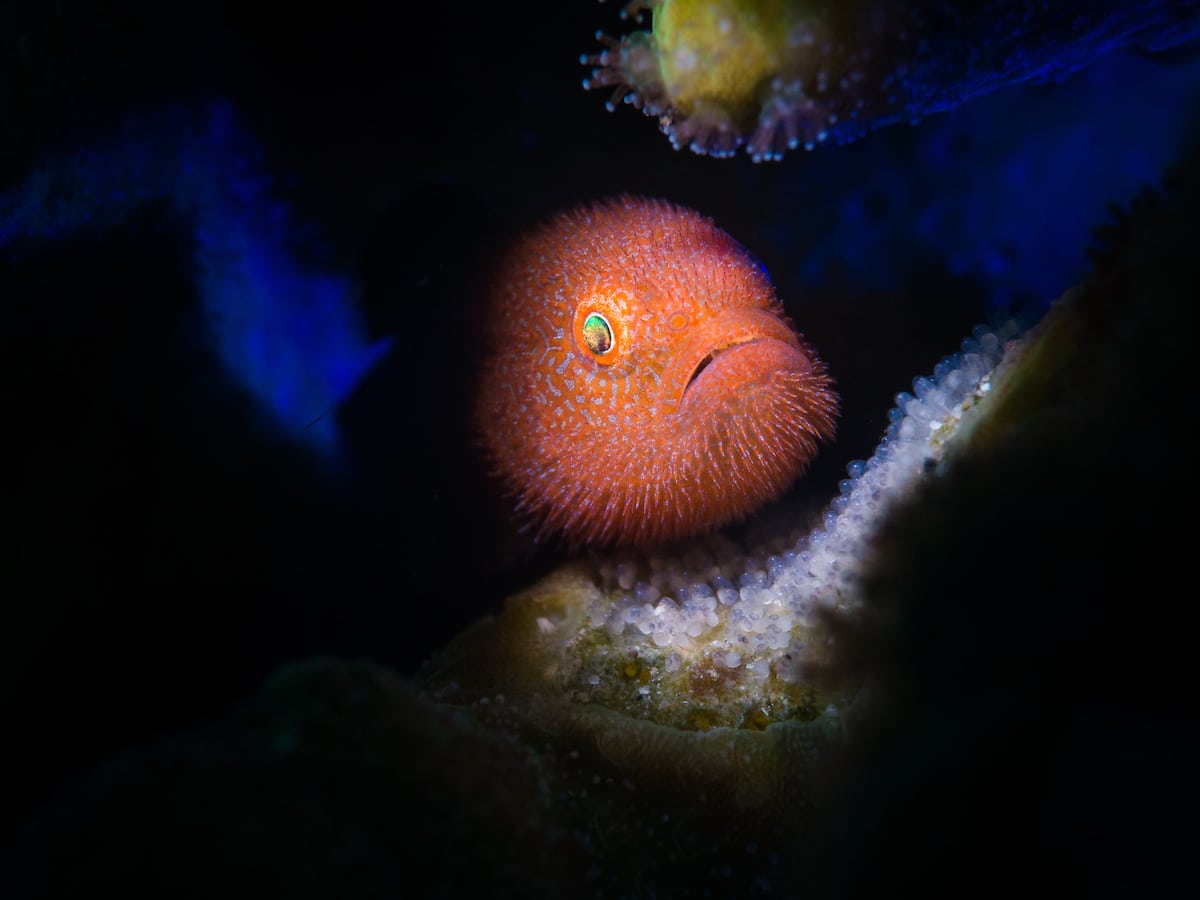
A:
(643, 382)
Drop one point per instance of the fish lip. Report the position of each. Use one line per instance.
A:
(712, 356)
(700, 367)
(717, 337)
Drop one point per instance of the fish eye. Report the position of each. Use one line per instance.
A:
(599, 328)
(597, 334)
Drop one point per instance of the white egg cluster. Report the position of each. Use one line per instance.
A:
(758, 611)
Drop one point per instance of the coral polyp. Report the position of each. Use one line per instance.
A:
(725, 74)
(769, 76)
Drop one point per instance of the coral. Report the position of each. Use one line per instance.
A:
(1023, 621)
(724, 75)
(328, 757)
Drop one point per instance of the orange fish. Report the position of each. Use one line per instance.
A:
(642, 382)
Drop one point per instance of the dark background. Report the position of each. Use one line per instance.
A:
(169, 546)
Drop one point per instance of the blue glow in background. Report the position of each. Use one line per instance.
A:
(1003, 191)
(286, 326)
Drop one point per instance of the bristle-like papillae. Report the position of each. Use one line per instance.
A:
(681, 477)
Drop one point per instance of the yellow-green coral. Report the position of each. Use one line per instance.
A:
(723, 74)
(773, 75)
(721, 54)
(521, 665)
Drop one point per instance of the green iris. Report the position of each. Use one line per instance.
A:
(597, 334)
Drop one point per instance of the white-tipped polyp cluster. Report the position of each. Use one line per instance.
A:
(756, 614)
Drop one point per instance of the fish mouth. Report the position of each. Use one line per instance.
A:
(700, 367)
(740, 345)
(711, 357)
